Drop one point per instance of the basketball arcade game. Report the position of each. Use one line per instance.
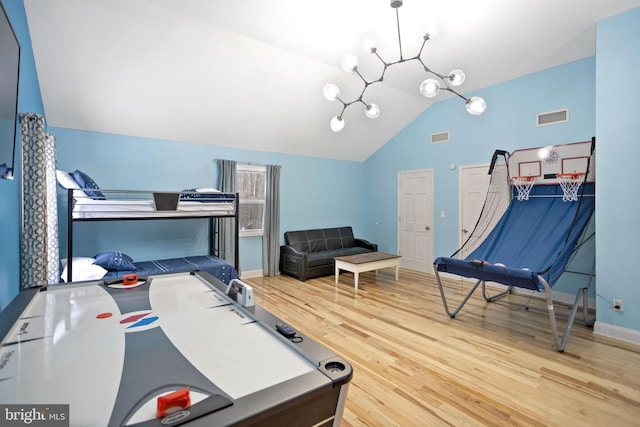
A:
(535, 219)
(165, 350)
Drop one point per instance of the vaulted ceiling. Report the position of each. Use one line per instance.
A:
(250, 73)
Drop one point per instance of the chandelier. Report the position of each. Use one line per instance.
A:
(429, 87)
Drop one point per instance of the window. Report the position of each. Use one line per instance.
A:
(250, 183)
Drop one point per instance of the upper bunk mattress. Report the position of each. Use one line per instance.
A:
(89, 208)
(124, 205)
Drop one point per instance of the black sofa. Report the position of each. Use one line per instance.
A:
(309, 253)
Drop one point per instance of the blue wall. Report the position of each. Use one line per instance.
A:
(314, 192)
(29, 100)
(618, 154)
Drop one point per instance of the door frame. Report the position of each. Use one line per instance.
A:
(398, 203)
(461, 237)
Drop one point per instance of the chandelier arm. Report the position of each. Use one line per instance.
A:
(453, 91)
(429, 70)
(424, 43)
(344, 107)
(399, 38)
(366, 83)
(385, 63)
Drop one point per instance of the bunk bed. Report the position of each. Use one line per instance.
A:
(93, 204)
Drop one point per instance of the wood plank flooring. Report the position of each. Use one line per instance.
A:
(494, 364)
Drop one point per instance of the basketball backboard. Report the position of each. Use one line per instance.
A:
(547, 162)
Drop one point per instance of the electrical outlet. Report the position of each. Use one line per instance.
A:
(618, 305)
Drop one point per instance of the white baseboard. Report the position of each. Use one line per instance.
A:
(617, 332)
(251, 274)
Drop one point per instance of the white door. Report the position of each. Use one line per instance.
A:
(474, 183)
(415, 220)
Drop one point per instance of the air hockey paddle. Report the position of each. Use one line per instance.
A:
(178, 404)
(127, 281)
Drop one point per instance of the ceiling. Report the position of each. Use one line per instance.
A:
(249, 73)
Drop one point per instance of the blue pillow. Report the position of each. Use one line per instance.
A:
(85, 181)
(114, 261)
(192, 193)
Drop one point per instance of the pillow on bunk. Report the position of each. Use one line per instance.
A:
(85, 181)
(83, 269)
(65, 180)
(115, 261)
(197, 193)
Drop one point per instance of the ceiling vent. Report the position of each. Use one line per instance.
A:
(553, 117)
(437, 138)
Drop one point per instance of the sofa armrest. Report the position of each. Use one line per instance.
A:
(294, 262)
(366, 244)
(291, 250)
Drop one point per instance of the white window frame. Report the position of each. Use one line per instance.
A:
(244, 201)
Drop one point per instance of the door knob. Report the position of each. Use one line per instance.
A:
(427, 228)
(464, 230)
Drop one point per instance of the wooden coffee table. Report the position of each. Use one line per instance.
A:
(365, 262)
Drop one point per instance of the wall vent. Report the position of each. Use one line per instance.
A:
(437, 138)
(553, 117)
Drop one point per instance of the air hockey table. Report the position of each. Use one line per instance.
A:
(111, 351)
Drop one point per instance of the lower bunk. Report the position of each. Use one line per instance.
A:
(111, 265)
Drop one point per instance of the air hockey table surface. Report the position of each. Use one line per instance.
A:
(109, 351)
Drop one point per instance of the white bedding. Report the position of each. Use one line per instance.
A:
(88, 208)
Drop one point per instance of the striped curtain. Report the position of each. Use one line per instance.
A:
(39, 263)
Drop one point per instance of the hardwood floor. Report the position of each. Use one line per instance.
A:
(494, 364)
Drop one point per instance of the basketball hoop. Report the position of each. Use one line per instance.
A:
(570, 183)
(523, 184)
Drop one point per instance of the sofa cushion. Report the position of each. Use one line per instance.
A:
(320, 240)
(338, 238)
(316, 259)
(316, 240)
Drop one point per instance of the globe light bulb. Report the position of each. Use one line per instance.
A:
(337, 124)
(331, 92)
(456, 77)
(349, 63)
(431, 30)
(369, 45)
(372, 111)
(430, 88)
(476, 105)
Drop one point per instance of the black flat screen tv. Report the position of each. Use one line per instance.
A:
(9, 75)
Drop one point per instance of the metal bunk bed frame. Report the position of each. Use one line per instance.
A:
(214, 236)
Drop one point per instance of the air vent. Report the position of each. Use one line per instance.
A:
(553, 117)
(437, 138)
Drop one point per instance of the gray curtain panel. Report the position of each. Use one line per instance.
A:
(39, 237)
(271, 237)
(226, 246)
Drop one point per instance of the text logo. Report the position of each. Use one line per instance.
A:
(34, 415)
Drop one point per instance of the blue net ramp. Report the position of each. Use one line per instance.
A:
(534, 239)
